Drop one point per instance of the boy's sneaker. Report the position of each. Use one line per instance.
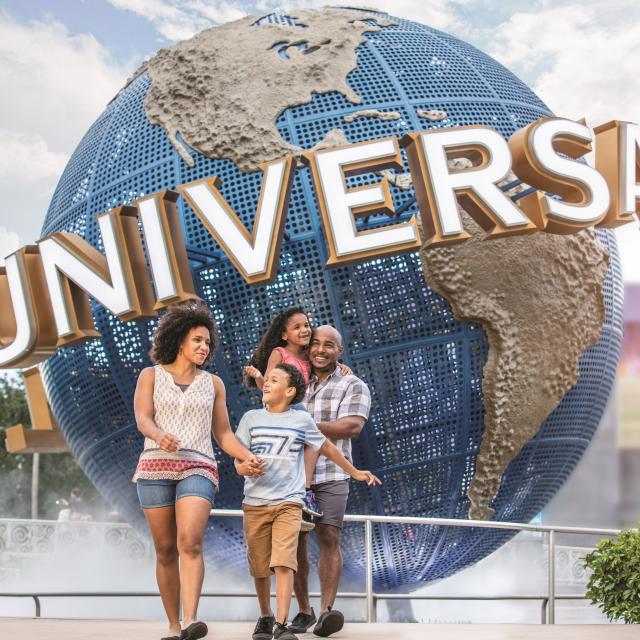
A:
(310, 504)
(302, 622)
(264, 628)
(280, 632)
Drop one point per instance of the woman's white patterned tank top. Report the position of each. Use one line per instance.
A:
(187, 415)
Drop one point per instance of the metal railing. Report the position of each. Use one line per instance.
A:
(31, 538)
(547, 600)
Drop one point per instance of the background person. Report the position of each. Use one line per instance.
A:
(339, 404)
(77, 507)
(64, 513)
(177, 407)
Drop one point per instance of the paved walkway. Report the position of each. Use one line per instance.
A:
(48, 629)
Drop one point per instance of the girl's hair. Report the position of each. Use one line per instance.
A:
(271, 339)
(174, 326)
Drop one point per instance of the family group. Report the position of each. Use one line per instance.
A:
(294, 454)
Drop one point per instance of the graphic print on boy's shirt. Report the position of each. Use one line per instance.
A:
(277, 442)
(279, 439)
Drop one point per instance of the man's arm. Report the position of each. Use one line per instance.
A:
(343, 428)
(352, 413)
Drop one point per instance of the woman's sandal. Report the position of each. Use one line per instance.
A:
(194, 631)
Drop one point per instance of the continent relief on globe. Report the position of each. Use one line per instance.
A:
(223, 95)
(539, 300)
(538, 297)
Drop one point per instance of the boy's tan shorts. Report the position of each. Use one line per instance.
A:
(271, 533)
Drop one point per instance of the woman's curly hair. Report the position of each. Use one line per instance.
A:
(174, 326)
(271, 339)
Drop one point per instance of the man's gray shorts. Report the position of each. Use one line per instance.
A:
(332, 501)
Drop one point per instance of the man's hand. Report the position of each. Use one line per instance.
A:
(367, 476)
(167, 441)
(252, 468)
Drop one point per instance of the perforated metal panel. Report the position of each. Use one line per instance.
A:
(424, 369)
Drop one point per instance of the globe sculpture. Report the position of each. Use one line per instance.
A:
(424, 368)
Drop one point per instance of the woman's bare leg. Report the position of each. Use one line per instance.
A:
(162, 523)
(192, 515)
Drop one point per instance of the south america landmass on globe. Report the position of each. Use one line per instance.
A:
(538, 297)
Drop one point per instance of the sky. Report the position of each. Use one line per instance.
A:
(61, 61)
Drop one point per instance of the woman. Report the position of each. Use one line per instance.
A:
(177, 406)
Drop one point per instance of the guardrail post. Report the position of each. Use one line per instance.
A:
(543, 611)
(551, 606)
(368, 555)
(36, 600)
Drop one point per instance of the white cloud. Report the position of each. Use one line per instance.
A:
(9, 242)
(29, 172)
(54, 86)
(219, 12)
(582, 64)
(58, 83)
(180, 19)
(435, 13)
(26, 159)
(579, 65)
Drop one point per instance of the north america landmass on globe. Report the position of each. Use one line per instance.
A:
(483, 404)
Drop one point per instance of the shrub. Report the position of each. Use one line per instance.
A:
(614, 584)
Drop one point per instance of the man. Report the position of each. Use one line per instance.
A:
(340, 407)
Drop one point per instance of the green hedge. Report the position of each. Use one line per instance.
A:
(614, 584)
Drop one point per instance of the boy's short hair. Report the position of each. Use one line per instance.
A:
(295, 380)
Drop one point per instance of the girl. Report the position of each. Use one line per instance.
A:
(178, 406)
(286, 341)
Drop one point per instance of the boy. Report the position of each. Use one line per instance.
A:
(273, 496)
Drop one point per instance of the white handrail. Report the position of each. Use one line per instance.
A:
(548, 600)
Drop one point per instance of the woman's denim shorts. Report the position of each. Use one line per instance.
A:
(164, 493)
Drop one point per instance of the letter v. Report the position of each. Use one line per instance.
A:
(255, 254)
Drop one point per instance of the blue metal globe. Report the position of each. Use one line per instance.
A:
(424, 369)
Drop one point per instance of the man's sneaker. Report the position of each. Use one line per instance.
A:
(280, 632)
(194, 631)
(302, 622)
(264, 628)
(329, 622)
(310, 504)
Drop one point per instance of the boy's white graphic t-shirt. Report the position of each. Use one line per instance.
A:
(279, 439)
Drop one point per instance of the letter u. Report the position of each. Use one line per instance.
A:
(27, 328)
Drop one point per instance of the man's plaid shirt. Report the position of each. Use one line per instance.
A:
(336, 397)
